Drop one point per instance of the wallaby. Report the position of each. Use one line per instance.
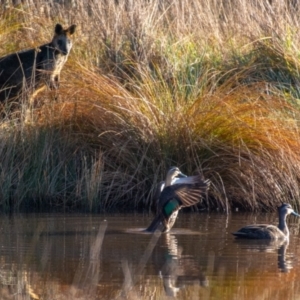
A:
(30, 70)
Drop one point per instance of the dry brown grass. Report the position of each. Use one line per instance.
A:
(209, 86)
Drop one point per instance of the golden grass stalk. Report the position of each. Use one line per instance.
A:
(211, 87)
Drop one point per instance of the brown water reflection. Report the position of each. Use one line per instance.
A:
(107, 257)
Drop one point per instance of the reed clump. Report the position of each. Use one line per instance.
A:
(210, 86)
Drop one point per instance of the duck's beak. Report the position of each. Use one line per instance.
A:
(178, 179)
(295, 214)
(181, 175)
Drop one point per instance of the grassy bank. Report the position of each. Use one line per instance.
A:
(209, 86)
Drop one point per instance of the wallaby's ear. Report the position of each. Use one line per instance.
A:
(71, 29)
(58, 29)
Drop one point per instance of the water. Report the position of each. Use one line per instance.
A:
(58, 256)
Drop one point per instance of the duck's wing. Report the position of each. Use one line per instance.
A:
(186, 194)
(188, 180)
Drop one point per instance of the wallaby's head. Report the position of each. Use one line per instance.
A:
(61, 40)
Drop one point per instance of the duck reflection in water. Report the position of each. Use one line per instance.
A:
(284, 264)
(270, 232)
(177, 191)
(177, 270)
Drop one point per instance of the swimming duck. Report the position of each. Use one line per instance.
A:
(264, 231)
(177, 191)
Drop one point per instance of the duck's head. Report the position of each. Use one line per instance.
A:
(173, 173)
(286, 209)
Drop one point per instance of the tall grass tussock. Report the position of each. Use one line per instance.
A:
(209, 86)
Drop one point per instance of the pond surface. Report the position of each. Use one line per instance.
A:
(76, 256)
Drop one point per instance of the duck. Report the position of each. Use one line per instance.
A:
(174, 175)
(270, 232)
(177, 191)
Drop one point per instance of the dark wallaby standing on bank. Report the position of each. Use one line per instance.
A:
(31, 70)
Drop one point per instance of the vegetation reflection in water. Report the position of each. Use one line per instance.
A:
(108, 257)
